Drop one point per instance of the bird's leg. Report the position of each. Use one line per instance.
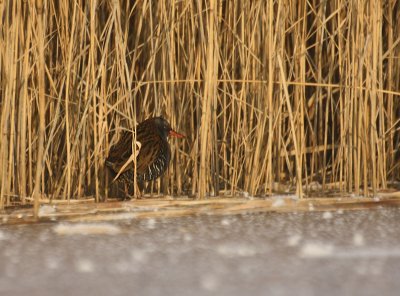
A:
(126, 192)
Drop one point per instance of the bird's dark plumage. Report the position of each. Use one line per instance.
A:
(154, 155)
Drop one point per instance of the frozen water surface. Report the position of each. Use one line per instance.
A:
(305, 253)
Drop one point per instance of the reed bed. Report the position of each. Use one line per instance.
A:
(288, 95)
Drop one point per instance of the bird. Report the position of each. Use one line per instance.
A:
(154, 153)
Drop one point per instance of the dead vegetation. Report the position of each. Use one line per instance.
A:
(270, 93)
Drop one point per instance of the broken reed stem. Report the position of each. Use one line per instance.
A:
(271, 94)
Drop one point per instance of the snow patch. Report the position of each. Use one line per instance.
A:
(310, 207)
(369, 253)
(139, 255)
(2, 236)
(234, 250)
(358, 239)
(327, 215)
(293, 240)
(151, 223)
(315, 185)
(209, 282)
(247, 195)
(286, 196)
(316, 250)
(46, 210)
(86, 229)
(321, 250)
(84, 266)
(187, 237)
(52, 263)
(278, 202)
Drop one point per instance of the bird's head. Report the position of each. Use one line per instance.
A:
(165, 128)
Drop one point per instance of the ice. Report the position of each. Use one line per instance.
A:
(369, 268)
(356, 252)
(124, 266)
(86, 229)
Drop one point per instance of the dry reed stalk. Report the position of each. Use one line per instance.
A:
(41, 104)
(23, 108)
(6, 49)
(209, 91)
(268, 93)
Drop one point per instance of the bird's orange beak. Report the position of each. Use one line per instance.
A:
(173, 133)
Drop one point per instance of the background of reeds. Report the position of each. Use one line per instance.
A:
(273, 95)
